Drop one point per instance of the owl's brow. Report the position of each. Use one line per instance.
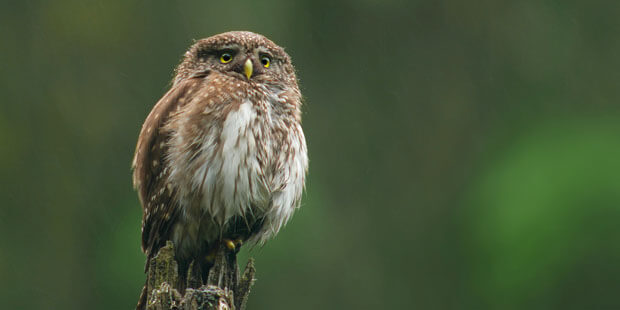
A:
(210, 50)
(266, 51)
(228, 47)
(273, 54)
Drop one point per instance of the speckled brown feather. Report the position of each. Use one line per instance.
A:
(150, 172)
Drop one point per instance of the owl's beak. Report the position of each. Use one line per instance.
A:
(248, 68)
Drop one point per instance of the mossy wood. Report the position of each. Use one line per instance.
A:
(224, 289)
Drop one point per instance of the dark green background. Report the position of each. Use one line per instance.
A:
(464, 155)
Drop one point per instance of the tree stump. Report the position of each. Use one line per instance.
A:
(224, 289)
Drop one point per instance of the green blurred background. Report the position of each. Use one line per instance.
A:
(463, 155)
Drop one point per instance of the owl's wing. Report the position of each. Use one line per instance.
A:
(149, 171)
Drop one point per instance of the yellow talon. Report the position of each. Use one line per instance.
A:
(230, 244)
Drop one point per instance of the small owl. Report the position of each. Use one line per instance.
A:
(222, 156)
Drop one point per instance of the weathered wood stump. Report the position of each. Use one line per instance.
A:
(224, 289)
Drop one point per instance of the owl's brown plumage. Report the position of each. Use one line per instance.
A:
(222, 155)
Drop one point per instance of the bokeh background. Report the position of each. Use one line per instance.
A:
(464, 155)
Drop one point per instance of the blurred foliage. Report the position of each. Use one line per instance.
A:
(463, 155)
(545, 220)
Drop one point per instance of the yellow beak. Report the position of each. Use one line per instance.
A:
(248, 68)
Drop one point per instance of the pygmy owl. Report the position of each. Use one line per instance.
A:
(222, 156)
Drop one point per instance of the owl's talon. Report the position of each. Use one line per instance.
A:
(230, 244)
(233, 245)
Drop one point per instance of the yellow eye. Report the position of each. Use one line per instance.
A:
(265, 61)
(226, 58)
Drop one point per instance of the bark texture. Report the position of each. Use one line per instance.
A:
(225, 289)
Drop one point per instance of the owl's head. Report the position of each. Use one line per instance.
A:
(244, 55)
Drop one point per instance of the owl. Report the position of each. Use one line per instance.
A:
(221, 158)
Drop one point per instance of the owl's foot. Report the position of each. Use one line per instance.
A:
(233, 245)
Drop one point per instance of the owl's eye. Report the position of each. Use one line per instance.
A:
(265, 61)
(226, 58)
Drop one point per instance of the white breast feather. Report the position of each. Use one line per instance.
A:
(231, 181)
(229, 174)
